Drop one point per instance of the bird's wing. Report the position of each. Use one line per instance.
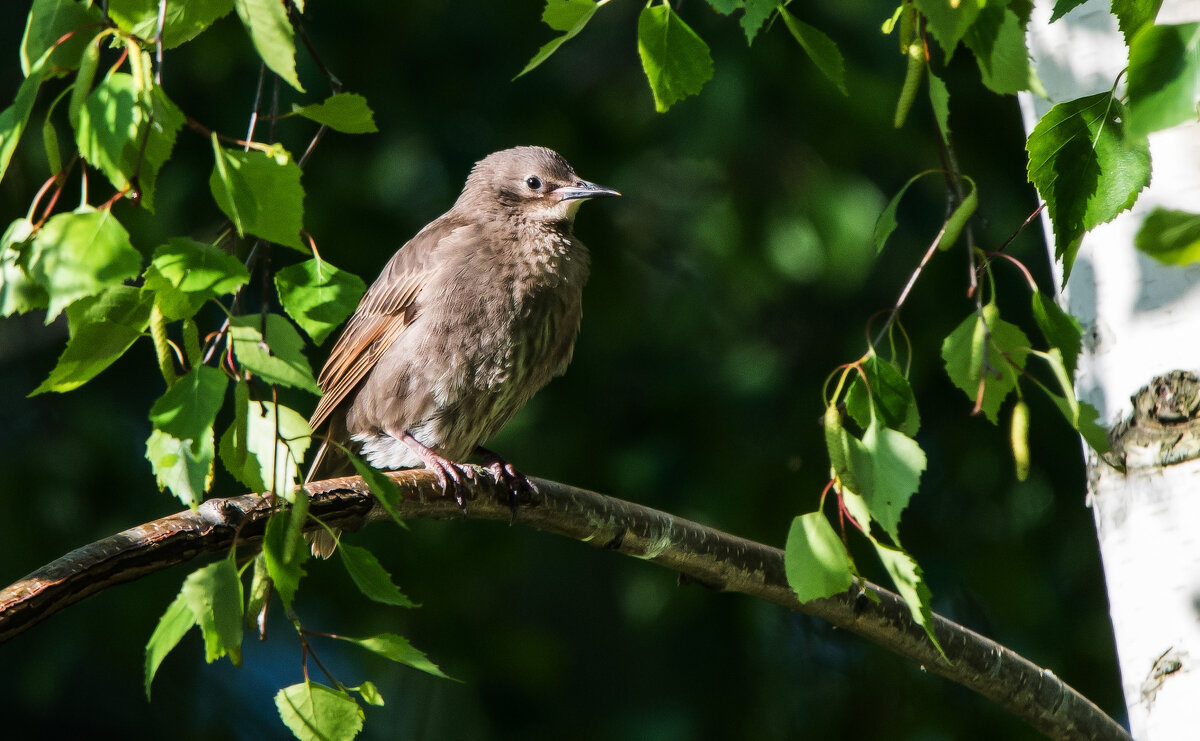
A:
(384, 312)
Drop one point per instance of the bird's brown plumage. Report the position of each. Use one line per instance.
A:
(466, 321)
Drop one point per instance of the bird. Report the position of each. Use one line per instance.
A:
(464, 324)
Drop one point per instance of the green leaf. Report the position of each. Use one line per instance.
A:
(569, 16)
(188, 409)
(370, 576)
(260, 193)
(83, 80)
(1132, 15)
(286, 551)
(886, 223)
(183, 22)
(756, 14)
(50, 143)
(1171, 237)
(49, 21)
(261, 588)
(910, 584)
(1060, 329)
(172, 627)
(820, 49)
(897, 462)
(939, 97)
(93, 348)
(345, 112)
(251, 452)
(890, 394)
(676, 61)
(80, 254)
(386, 491)
(985, 350)
(318, 296)
(725, 7)
(1086, 167)
(998, 40)
(847, 457)
(314, 712)
(113, 122)
(184, 273)
(815, 559)
(116, 304)
(183, 466)
(14, 119)
(398, 649)
(18, 292)
(949, 20)
(370, 693)
(277, 358)
(1080, 415)
(214, 595)
(267, 23)
(1164, 77)
(1085, 419)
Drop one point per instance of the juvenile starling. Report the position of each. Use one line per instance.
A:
(466, 322)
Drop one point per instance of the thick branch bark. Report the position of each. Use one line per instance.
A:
(700, 554)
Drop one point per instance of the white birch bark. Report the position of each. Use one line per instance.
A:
(1140, 320)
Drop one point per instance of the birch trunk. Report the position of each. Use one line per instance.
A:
(1141, 325)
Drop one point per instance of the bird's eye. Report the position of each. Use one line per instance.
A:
(534, 182)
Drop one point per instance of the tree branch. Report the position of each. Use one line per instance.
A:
(700, 554)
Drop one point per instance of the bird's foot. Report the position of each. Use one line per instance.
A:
(451, 476)
(506, 475)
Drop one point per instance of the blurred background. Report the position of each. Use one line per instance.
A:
(733, 276)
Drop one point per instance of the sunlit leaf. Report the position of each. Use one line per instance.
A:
(910, 584)
(286, 551)
(254, 455)
(370, 576)
(183, 21)
(398, 649)
(49, 21)
(278, 356)
(271, 32)
(314, 712)
(985, 350)
(184, 273)
(569, 16)
(260, 193)
(318, 296)
(1164, 77)
(820, 49)
(345, 112)
(172, 627)
(183, 466)
(93, 348)
(949, 20)
(897, 462)
(80, 254)
(214, 595)
(1171, 237)
(1086, 167)
(1060, 329)
(816, 561)
(998, 40)
(676, 61)
(189, 407)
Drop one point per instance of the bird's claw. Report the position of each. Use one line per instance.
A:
(506, 475)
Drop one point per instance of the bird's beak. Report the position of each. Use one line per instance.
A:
(582, 189)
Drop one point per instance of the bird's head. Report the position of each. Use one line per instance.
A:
(533, 182)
